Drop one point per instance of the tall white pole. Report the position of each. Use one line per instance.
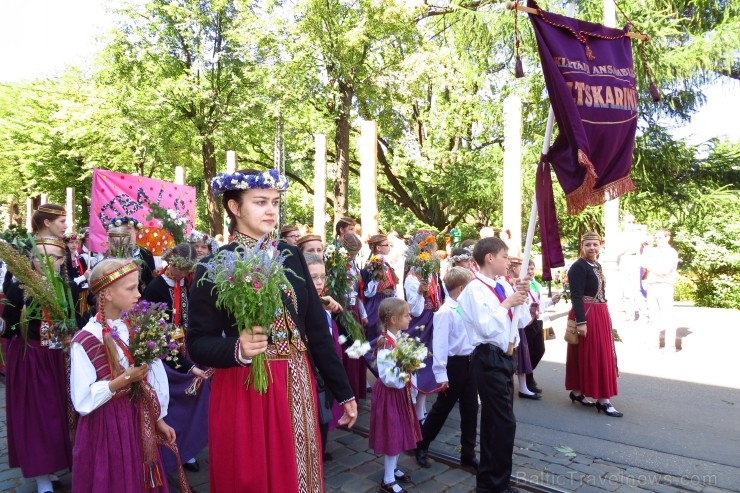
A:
(230, 168)
(319, 186)
(70, 207)
(179, 175)
(29, 213)
(512, 207)
(368, 177)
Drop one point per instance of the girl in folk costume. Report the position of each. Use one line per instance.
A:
(79, 273)
(533, 331)
(379, 280)
(356, 368)
(393, 424)
(36, 389)
(203, 244)
(424, 295)
(524, 363)
(115, 444)
(188, 385)
(268, 442)
(330, 411)
(122, 234)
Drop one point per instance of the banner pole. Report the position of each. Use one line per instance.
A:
(530, 234)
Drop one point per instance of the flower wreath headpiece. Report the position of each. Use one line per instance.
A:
(241, 181)
(197, 237)
(179, 262)
(460, 258)
(117, 222)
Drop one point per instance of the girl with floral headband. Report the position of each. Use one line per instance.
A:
(423, 291)
(265, 442)
(189, 385)
(203, 244)
(36, 383)
(112, 444)
(379, 281)
(122, 236)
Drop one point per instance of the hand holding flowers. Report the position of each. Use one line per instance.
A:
(408, 356)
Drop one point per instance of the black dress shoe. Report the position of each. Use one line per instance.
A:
(421, 457)
(534, 397)
(403, 477)
(582, 399)
(532, 385)
(191, 466)
(388, 488)
(471, 463)
(605, 407)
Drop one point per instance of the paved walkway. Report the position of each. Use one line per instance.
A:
(597, 459)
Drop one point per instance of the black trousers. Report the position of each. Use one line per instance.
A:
(493, 372)
(461, 389)
(536, 342)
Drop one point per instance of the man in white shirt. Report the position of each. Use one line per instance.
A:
(451, 354)
(488, 308)
(662, 264)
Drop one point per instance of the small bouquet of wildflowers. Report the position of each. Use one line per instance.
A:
(250, 283)
(150, 336)
(408, 356)
(338, 286)
(422, 255)
(376, 265)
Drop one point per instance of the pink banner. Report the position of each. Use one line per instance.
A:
(117, 194)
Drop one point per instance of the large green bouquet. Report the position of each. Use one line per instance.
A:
(250, 283)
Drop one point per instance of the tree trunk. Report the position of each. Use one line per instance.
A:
(341, 142)
(215, 213)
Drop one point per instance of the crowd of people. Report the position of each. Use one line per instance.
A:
(125, 426)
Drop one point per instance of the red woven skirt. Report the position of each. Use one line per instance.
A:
(265, 443)
(591, 365)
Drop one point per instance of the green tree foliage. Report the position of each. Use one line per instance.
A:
(182, 81)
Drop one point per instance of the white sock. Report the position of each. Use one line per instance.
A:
(43, 483)
(191, 461)
(390, 462)
(420, 406)
(523, 384)
(398, 474)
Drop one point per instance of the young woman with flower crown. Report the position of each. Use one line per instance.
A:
(36, 388)
(268, 442)
(379, 281)
(115, 438)
(189, 385)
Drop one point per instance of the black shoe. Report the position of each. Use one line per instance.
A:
(582, 399)
(191, 466)
(421, 457)
(470, 463)
(388, 488)
(534, 397)
(605, 407)
(532, 385)
(403, 477)
(328, 456)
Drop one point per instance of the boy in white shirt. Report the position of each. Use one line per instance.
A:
(452, 350)
(488, 305)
